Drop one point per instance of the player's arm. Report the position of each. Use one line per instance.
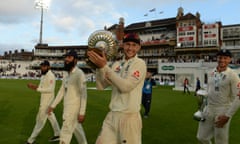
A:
(101, 82)
(57, 99)
(223, 119)
(235, 92)
(83, 99)
(32, 86)
(135, 74)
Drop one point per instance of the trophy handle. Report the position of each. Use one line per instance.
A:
(202, 103)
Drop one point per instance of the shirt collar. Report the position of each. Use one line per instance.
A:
(129, 60)
(215, 70)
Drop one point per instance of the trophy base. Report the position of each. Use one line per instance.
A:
(88, 61)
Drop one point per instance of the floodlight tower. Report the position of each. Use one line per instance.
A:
(41, 4)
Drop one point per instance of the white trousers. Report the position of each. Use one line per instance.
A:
(41, 119)
(207, 129)
(121, 128)
(71, 126)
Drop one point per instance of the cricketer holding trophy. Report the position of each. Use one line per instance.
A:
(123, 123)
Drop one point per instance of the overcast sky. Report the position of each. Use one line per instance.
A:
(70, 22)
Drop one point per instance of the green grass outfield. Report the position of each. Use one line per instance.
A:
(170, 120)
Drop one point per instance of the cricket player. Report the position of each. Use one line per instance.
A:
(123, 123)
(46, 87)
(223, 102)
(73, 91)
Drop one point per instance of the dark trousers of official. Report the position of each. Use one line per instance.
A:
(146, 102)
(197, 88)
(186, 89)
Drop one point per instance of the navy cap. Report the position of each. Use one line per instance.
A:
(224, 52)
(45, 63)
(133, 37)
(71, 53)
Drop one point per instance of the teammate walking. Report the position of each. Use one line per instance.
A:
(46, 87)
(73, 91)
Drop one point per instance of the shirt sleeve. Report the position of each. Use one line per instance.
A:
(235, 90)
(50, 85)
(135, 74)
(101, 82)
(83, 91)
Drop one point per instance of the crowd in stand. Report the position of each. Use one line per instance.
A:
(22, 70)
(9, 69)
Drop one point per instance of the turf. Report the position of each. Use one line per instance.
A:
(170, 120)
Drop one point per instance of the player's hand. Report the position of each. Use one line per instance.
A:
(49, 110)
(238, 94)
(32, 86)
(99, 60)
(81, 118)
(221, 121)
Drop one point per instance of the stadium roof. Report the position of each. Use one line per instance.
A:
(151, 24)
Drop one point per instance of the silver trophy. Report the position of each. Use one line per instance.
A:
(202, 103)
(102, 40)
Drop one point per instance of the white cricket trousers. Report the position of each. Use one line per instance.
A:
(121, 128)
(72, 126)
(207, 129)
(41, 119)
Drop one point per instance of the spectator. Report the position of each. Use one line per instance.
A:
(186, 86)
(147, 93)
